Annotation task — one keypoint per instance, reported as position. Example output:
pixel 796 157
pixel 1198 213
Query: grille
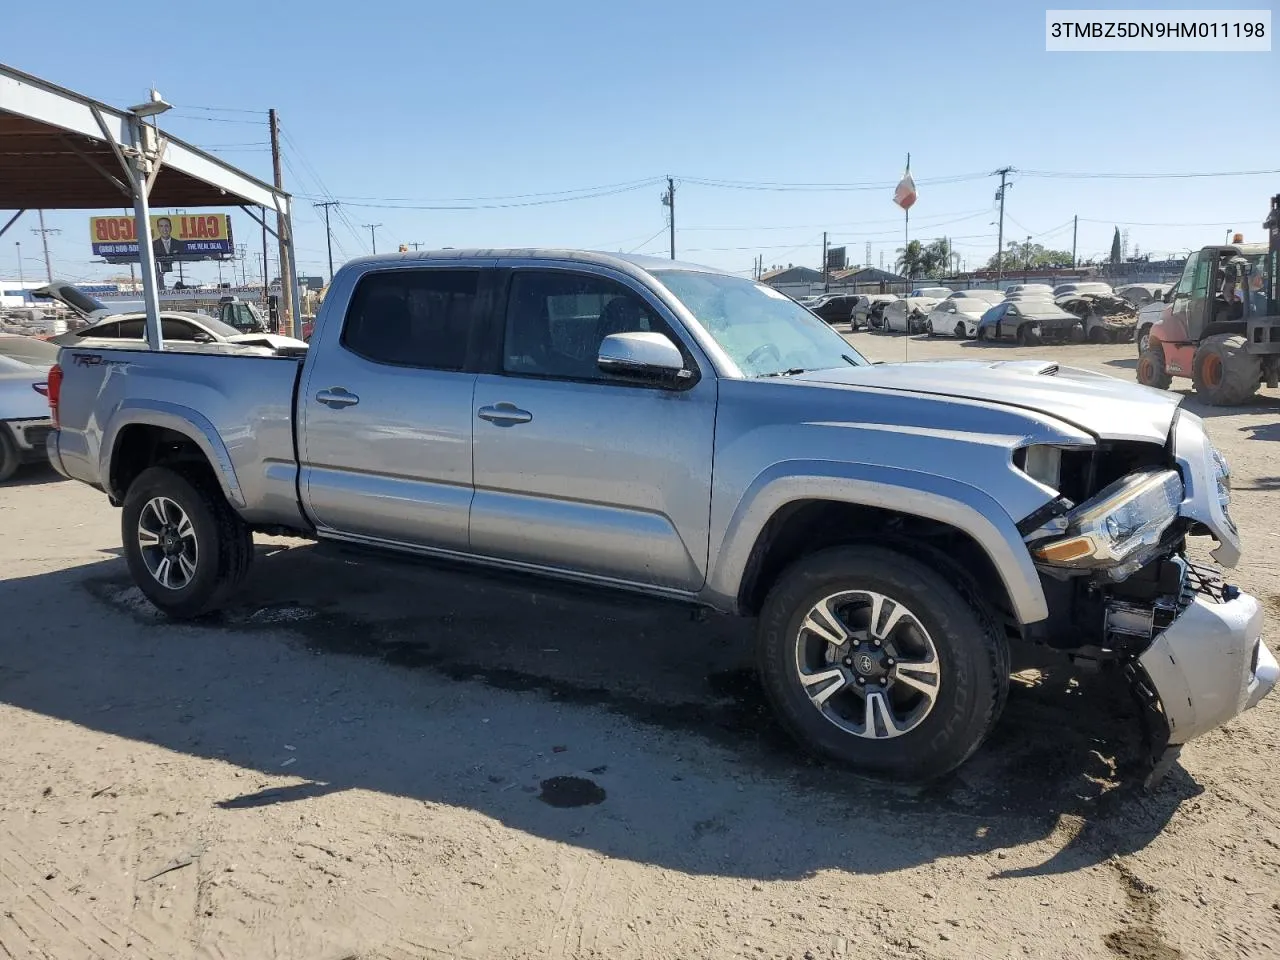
pixel 1203 581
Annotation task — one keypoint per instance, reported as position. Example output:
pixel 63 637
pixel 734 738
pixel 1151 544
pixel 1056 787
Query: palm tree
pixel 911 259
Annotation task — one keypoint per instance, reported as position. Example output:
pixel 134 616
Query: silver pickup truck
pixel 668 429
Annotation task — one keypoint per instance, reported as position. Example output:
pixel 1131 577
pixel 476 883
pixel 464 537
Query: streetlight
pixel 143 164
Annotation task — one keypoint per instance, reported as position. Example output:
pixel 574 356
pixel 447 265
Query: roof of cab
pixel 626 262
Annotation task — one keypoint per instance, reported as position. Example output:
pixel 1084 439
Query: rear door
pixel 577 470
pixel 385 410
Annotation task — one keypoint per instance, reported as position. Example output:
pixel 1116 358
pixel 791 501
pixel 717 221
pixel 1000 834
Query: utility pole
pixel 328 233
pixel 262 258
pixel 414 245
pixel 288 315
pixel 1075 223
pixel 1004 173
pixel 44 238
pixel 826 277
pixel 669 201
pixel 22 281
pixel 373 236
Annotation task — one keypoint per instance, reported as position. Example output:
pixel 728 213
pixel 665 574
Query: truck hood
pixel 1109 408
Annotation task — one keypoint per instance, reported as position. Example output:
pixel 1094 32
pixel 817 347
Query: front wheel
pixel 874 659
pixel 1151 368
pixel 187 550
pixel 959 331
pixel 1143 339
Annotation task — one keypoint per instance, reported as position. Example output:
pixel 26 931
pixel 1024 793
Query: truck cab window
pixel 412 318
pixel 555 322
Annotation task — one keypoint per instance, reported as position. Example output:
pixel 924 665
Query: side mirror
pixel 644 356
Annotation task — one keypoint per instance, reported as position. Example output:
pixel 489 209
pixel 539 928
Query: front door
pixel 580 471
pixel 385 411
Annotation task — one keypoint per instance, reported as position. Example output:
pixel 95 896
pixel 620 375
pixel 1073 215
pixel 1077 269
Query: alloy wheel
pixel 167 542
pixel 867 664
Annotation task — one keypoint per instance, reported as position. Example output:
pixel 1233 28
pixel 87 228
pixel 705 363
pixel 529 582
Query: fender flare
pixel 171 416
pixel 960 505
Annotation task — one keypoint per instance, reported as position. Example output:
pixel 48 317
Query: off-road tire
pixel 9 459
pixel 225 543
pixel 1225 374
pixel 1151 369
pixel 1028 337
pixel 971 647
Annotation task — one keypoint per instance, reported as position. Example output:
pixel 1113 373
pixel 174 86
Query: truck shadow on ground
pixel 477 692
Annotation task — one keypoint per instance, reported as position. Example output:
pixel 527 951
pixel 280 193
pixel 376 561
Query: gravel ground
pixel 375 760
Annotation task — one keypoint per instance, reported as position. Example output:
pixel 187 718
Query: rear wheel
pixel 186 548
pixel 9 459
pixel 1101 335
pixel 874 659
pixel 1225 374
pixel 1028 335
pixel 1151 369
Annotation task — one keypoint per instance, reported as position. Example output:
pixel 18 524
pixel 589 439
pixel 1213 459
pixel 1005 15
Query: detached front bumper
pixel 1210 664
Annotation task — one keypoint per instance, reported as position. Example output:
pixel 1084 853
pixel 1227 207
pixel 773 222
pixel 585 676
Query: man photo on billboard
pixel 164 246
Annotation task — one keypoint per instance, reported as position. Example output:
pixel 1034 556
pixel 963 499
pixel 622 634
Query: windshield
pixel 763 331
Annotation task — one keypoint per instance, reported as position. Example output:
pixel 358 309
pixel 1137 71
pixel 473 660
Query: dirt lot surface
pixel 373 760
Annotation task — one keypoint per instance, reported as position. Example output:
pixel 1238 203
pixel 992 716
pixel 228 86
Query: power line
pixel 825 187
pixel 192 106
pixel 1053 174
pixel 661 230
pixel 647 181
pixel 448 205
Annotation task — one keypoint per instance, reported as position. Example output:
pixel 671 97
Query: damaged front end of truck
pixel 1111 549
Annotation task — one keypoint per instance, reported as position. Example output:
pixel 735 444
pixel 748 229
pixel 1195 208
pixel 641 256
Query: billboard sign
pixel 180 236
pixel 837 258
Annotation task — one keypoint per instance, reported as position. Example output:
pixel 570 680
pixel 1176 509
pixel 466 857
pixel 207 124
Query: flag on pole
pixel 905 194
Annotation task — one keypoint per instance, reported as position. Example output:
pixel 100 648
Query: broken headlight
pixel 1120 529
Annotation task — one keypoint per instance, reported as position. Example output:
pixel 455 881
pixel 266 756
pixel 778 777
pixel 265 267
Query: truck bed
pixel 240 403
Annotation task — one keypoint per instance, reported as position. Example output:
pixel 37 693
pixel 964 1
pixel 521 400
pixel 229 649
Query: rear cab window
pixel 413 318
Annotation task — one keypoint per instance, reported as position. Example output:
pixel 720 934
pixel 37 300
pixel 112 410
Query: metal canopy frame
pixel 60 150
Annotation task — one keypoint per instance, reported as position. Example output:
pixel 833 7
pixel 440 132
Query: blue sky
pixel 432 101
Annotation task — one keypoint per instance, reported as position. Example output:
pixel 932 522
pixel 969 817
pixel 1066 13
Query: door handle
pixel 337 397
pixel 504 414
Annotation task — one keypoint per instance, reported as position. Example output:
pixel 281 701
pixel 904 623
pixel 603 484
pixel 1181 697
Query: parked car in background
pixel 176 327
pixel 865 304
pixel 987 296
pixel 1140 294
pixel 25 423
pixel 1106 317
pixel 907 314
pixel 1030 323
pixel 835 307
pixel 875 312
pixel 1082 286
pixel 935 293
pixel 956 317
pixel 1042 290
pixel 34 351
pixel 1147 317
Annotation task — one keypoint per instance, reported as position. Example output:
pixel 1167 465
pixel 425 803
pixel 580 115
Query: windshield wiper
pixel 849 360
pixel 783 373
